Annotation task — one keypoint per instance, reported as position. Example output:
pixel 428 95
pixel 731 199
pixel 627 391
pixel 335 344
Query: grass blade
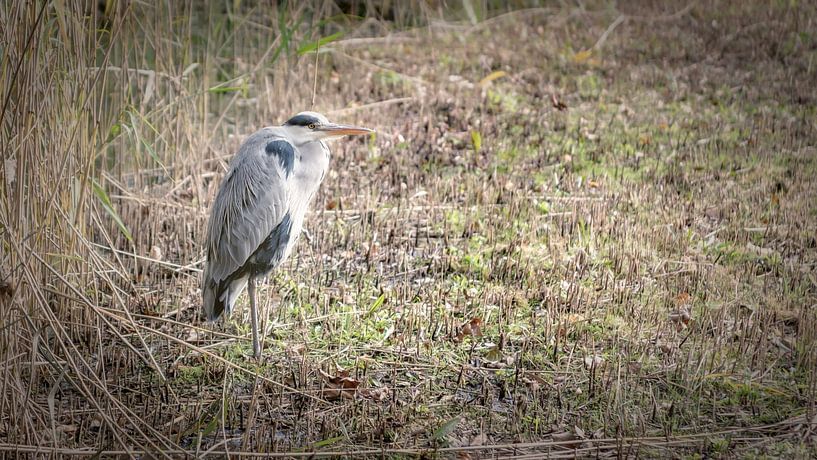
pixel 375 305
pixel 312 46
pixel 446 428
pixel 327 442
pixel 99 191
pixel 476 140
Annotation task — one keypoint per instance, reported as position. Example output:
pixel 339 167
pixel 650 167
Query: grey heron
pixel 259 209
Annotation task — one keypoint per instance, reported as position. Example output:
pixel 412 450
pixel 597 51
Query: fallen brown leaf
pixel 557 104
pixel 564 436
pixel 340 385
pixel 680 317
pixel 479 440
pixel 375 394
pixel 579 432
pixel 594 361
pixel 471 328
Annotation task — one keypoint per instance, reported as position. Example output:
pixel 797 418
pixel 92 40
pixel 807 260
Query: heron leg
pixel 256 344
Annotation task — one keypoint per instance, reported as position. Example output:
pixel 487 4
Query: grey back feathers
pixel 258 211
pixel 251 201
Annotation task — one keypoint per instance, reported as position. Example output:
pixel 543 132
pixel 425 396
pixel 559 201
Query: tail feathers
pixel 221 297
pixel 213 307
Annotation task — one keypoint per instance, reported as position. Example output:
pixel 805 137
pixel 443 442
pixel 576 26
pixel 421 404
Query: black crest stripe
pixel 302 120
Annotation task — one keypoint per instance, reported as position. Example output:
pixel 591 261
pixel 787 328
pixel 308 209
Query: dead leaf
pixel 341 372
pixel 471 328
pixel 594 361
pixel 465 330
pixel 582 56
pixel 156 253
pixel 332 394
pixel 574 318
pixel 534 381
pixel 563 437
pixel 342 380
pixel 476 327
pixel 557 103
pixel 10 165
pixel 67 429
pixel 491 77
pixel 6 289
pixel 375 394
pixel 339 386
pixel 763 252
pixel 480 440
pixel 680 317
pixel 459 81
pixel 193 336
pixel 495 364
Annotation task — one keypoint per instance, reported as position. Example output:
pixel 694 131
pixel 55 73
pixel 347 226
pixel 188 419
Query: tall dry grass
pixel 53 124
pixel 100 99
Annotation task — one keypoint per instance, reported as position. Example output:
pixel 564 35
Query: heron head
pixel 312 126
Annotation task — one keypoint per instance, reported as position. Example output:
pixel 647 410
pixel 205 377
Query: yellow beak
pixel 344 130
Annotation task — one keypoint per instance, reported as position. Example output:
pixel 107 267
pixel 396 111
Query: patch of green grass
pixel 504 100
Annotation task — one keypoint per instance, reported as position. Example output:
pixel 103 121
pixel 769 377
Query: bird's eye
pixel 311 126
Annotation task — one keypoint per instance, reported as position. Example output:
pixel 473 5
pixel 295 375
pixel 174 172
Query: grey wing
pixel 251 202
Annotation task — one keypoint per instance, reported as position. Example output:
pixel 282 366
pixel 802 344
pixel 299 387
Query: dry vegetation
pixel 579 230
